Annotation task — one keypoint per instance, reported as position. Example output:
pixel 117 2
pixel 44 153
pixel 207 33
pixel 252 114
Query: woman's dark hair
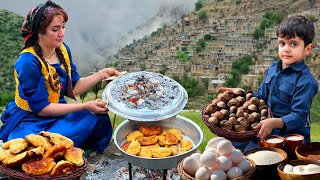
pixel 42 30
pixel 299 26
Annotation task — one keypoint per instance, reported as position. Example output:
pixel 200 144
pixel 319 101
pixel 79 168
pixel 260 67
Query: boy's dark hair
pixel 299 26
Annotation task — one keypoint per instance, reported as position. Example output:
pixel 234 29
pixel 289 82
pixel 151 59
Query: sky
pixel 94 25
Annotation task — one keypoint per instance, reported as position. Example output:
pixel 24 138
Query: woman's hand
pixel 97 107
pixel 223 89
pixel 266 126
pixel 108 72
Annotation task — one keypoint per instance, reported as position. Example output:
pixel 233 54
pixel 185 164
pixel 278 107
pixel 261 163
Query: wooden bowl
pixel 308 151
pixel 288 176
pixel 269 171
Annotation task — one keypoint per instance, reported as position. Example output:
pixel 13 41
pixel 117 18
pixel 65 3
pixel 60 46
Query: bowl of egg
pixel 299 170
pixel 220 160
pixel 267 159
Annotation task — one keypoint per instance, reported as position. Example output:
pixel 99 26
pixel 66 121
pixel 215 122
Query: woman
pixel 44 74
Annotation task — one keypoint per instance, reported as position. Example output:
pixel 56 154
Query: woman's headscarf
pixel 35 19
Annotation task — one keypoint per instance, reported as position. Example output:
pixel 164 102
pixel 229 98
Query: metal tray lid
pixel 145 96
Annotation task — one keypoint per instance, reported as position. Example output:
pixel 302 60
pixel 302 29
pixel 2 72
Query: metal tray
pixel 189 129
pixel 173 100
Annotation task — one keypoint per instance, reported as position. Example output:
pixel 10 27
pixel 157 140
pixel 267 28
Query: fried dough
pixel 162 140
pixel 4 153
pixel 15 160
pixel 171 139
pixel 145 152
pixel 134 148
pixel 145 141
pixel 55 152
pixel 175 149
pixel 63 167
pixel 161 152
pixel 37 140
pixel 15 145
pixel 74 155
pixel 175 132
pixel 151 130
pixel 134 135
pixel 57 139
pixel 39 167
pixel 125 145
pixel 185 145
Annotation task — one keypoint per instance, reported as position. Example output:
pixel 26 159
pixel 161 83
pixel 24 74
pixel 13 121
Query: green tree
pixel 258 33
pixel 207 37
pixel 181 56
pixel 203 16
pixel 96 89
pixel 198 5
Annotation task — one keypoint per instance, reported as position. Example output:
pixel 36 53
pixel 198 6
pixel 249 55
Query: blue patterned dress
pixel 83 127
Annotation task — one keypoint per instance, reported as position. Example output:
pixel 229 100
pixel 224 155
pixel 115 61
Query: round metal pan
pixel 177 101
pixel 189 129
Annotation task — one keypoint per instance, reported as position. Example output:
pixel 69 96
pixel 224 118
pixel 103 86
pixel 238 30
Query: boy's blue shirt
pixel 289 94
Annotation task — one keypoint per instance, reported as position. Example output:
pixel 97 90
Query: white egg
pixel 208 159
pixel 244 165
pixel 218 175
pixel 312 168
pixel 196 156
pixel 224 147
pixel 191 165
pixel 234 172
pixel 236 156
pixel 203 173
pixel 210 149
pixel 213 143
pixel 224 163
pixel 288 168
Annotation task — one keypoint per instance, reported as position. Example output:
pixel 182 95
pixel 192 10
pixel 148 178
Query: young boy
pixel 288 87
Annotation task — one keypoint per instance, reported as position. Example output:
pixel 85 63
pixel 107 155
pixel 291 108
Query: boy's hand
pixel 266 126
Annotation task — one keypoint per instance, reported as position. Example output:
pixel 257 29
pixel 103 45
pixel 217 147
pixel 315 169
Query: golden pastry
pixel 162 140
pixel 171 139
pixel 161 152
pixel 55 152
pixel 37 140
pixel 15 145
pixel 185 145
pixel 134 135
pixel 39 167
pixel 63 167
pixel 57 139
pixel 134 148
pixel 151 130
pixel 175 132
pixel 145 152
pixel 145 141
pixel 74 155
pixel 175 149
pixel 4 153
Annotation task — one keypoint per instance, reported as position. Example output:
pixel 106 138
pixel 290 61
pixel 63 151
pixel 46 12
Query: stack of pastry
pixel 155 142
pixel 44 153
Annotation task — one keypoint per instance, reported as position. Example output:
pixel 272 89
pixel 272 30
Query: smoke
pixel 98 28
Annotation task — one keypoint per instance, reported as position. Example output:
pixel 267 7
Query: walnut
pixel 255 100
pixel 226 124
pixel 249 96
pixel 251 118
pixel 215 101
pixel 240 113
pixel 239 128
pixel 221 105
pixel 256 116
pixel 218 115
pixel 246 104
pixel 241 99
pixel 243 121
pixel 232 115
pixel 211 109
pixel 223 97
pixel 264 112
pixel 225 113
pixel 213 120
pixel 233 121
pixel 263 118
pixel 233 109
pixel 239 92
pixel 262 102
pixel 252 108
pixel 234 102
